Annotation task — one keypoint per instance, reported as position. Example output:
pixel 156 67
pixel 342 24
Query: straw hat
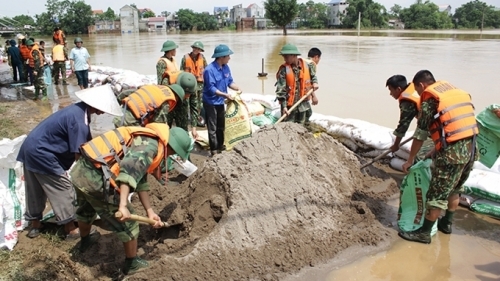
pixel 101 98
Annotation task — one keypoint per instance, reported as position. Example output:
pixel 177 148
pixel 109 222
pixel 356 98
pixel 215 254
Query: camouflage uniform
pixel 408 110
pixel 199 88
pixel 39 81
pixel 60 67
pixel 160 69
pixel 128 119
pixel 452 165
pixel 299 115
pixel 90 188
pixel 312 67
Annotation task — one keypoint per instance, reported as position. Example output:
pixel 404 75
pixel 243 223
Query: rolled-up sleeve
pixel 427 112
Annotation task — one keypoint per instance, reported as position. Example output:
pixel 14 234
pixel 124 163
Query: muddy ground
pixel 281 201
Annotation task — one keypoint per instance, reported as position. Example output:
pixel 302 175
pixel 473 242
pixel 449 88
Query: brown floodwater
pixel 352 75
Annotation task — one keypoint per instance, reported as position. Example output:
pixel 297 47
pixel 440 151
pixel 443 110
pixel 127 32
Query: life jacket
pixel 171 64
pixel 409 94
pixel 58 53
pixel 144 102
pixel 57 37
pixel 32 60
pixel 25 52
pixel 172 77
pixel 194 67
pixel 455 118
pixel 107 150
pixel 304 81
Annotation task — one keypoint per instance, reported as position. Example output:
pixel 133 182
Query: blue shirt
pixel 216 78
pixel 15 55
pixel 50 148
pixel 79 57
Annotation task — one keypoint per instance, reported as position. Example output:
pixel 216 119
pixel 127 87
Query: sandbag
pixel 412 201
pixel 466 200
pixel 483 184
pixel 263 120
pixel 397 163
pixel 254 108
pixel 238 123
pixel 486 207
pixel 268 101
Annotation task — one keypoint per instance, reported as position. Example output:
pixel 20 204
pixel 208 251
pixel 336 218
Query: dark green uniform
pixel 407 111
pixel 128 119
pixel 60 68
pixel 39 82
pixel 89 185
pixel 199 87
pixel 452 165
pixel 300 113
pixel 160 69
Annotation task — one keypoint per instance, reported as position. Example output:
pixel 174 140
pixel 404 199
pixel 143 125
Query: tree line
pixel 74 16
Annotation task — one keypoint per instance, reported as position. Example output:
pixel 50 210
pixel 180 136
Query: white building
pixel 237 13
pixel 336 9
pixel 255 11
pixel 129 18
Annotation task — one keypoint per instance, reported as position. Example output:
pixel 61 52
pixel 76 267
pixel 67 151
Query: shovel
pixel 142 219
pixel 295 105
pixel 384 154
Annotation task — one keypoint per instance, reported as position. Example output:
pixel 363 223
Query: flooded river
pixel 352 75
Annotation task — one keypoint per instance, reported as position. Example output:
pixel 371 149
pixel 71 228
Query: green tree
pixel 313 15
pixel 188 20
pixel 395 11
pixel 281 12
pixel 425 16
pixel 22 20
pixel 109 14
pixel 148 14
pixel 72 16
pixel 477 14
pixel 373 14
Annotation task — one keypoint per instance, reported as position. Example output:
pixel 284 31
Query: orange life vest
pixel 25 52
pixel 57 37
pixel 194 67
pixel 409 94
pixel 32 60
pixel 107 150
pixel 171 64
pixel 144 102
pixel 455 118
pixel 58 53
pixel 305 83
pixel 172 77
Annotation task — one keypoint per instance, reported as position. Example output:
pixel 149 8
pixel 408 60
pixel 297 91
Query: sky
pixel 37 7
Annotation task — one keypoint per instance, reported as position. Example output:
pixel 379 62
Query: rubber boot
pixel 44 94
pixel 444 226
pixel 37 93
pixel 133 265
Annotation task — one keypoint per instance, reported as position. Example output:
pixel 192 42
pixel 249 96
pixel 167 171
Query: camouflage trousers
pixel 179 115
pixel 39 83
pixel 297 117
pixel 446 180
pixel 59 68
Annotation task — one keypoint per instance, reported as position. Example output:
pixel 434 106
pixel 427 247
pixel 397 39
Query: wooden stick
pixel 384 154
pixel 295 105
pixel 141 219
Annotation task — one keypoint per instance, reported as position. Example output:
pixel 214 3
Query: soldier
pixel 195 63
pixel 448 115
pixel 103 184
pixel 409 104
pixel 148 104
pixel 167 62
pixel 59 56
pixel 36 62
pixel 313 58
pixel 58 36
pixel 294 79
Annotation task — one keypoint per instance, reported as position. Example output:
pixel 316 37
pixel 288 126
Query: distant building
pixel 95 13
pixel 396 24
pixel 222 15
pixel 142 11
pixel 129 17
pixel 336 11
pixel 255 11
pixel 445 8
pixel 103 26
pixel 250 17
pixel 157 23
pixel 237 13
pixel 172 21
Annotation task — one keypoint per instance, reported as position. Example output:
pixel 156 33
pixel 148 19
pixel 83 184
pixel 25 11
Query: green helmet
pixel 221 51
pixel 187 81
pixel 30 43
pixel 179 91
pixel 168 46
pixel 289 49
pixel 198 45
pixel 180 142
pixel 78 40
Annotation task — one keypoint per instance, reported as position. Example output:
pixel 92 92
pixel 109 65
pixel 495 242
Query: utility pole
pixel 359 22
pixel 482 20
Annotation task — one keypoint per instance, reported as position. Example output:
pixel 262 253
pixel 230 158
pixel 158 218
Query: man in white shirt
pixel 80 63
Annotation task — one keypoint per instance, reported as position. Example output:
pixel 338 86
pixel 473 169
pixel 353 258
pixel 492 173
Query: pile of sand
pixel 280 201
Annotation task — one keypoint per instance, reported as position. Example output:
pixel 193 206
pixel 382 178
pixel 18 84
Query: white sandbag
pixel 268 101
pixel 494 169
pixel 373 153
pixel 466 200
pixel 483 184
pixel 486 207
pixel 12 193
pixel 402 154
pixel 254 108
pixel 397 163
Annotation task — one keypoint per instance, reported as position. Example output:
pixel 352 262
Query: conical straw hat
pixel 101 98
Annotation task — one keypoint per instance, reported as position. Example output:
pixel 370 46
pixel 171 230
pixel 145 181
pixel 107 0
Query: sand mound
pixel 280 201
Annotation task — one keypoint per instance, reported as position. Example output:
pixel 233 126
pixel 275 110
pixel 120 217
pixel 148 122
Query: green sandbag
pixel 264 119
pixel 412 200
pixel 488 140
pixel 486 207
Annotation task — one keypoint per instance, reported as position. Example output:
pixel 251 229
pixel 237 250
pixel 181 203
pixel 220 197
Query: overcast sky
pixel 37 7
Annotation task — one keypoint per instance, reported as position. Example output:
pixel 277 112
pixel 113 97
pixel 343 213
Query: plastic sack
pixel 412 201
pixel 486 207
pixel 238 123
pixel 483 184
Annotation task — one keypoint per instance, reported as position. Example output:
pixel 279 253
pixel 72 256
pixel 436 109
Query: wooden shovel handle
pixel 295 105
pixel 140 219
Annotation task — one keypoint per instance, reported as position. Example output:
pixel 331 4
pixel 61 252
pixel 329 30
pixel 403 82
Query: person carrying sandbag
pixel 296 81
pixel 448 115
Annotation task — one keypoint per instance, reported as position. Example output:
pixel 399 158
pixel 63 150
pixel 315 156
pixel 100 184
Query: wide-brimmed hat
pixel 180 142
pixel 102 98
pixel 221 51
pixel 168 46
